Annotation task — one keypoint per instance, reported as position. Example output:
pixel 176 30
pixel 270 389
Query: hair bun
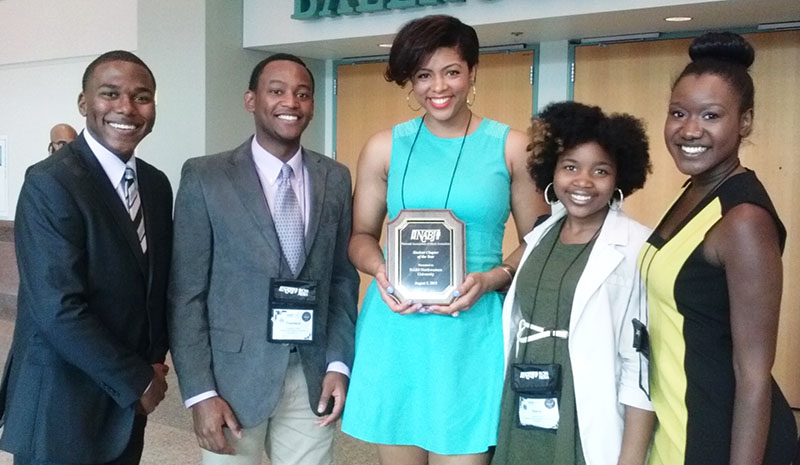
pixel 722 46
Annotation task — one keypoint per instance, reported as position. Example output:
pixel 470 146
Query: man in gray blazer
pixel 262 296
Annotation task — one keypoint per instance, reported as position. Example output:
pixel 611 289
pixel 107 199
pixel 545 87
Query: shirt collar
pixel 113 166
pixel 271 165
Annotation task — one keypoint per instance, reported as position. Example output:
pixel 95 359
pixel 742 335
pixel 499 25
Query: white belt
pixel 539 333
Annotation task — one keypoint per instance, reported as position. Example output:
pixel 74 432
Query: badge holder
pixel 641 342
pixel 538 388
pixel 292 304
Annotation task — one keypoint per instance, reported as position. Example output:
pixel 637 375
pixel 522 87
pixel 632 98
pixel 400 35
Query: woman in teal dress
pixel 427 379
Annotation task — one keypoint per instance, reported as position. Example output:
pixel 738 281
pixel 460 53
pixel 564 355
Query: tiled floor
pixel 169 438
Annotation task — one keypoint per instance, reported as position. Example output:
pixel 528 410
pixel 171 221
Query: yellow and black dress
pixel 692 379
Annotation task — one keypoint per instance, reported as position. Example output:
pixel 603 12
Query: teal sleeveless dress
pixel 427 380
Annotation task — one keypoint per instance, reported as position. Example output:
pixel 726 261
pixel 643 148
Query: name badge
pixel 291 311
pixel 538 387
pixel 538 413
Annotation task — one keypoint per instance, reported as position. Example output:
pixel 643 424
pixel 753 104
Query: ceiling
pixel 724 14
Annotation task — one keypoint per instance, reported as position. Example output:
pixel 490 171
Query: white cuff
pixel 339 367
pixel 199 398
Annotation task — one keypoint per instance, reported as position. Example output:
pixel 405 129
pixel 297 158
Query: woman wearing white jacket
pixel 575 390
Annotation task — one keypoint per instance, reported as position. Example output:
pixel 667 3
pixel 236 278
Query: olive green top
pixel 545 290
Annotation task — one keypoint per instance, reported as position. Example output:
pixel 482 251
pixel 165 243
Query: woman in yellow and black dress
pixel 713 274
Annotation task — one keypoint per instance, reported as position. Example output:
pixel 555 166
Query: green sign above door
pixel 313 9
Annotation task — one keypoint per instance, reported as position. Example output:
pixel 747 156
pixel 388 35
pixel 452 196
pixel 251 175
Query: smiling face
pixel 705 126
pixel 584 180
pixel 119 105
pixel 442 83
pixel 282 105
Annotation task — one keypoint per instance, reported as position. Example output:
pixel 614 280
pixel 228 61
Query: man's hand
pixel 156 391
pixel 333 384
pixel 209 417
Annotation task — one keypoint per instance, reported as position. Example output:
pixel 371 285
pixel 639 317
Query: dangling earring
pixel 474 94
pixel 612 203
pixel 408 101
pixel 546 198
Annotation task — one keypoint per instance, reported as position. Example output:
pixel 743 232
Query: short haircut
pixel 256 74
pixel 114 55
pixel 727 55
pixel 420 38
pixel 562 126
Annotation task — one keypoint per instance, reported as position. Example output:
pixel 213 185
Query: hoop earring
pixel 547 198
pixel 474 94
pixel 408 101
pixel 612 203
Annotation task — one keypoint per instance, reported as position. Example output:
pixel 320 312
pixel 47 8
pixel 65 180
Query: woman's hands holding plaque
pixel 470 291
pixel 387 293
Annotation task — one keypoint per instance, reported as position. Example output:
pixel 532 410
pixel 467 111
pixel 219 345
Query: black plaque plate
pixel 425 259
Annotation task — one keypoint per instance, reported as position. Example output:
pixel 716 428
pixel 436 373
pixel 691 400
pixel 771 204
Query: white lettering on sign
pixel 425 235
pixel 298 291
pixel 535 375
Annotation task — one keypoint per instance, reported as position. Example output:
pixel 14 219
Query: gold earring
pixel 408 101
pixel 474 94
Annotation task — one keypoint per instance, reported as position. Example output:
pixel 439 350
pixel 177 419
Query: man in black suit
pixel 93 234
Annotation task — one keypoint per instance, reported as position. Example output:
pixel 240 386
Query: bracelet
pixel 510 271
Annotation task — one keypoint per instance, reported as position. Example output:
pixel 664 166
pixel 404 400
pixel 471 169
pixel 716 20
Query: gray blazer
pixel 226 250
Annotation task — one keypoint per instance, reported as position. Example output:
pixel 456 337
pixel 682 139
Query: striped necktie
pixel 134 205
pixel 288 219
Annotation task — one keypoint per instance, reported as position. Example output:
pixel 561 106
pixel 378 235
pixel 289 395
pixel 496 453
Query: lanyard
pixel 452 176
pixel 541 332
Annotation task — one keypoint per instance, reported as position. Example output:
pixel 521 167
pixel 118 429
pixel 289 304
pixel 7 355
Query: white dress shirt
pixel 113 166
pixel 268 167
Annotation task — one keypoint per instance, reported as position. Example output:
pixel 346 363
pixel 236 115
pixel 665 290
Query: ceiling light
pixel 778 26
pixel 385 45
pixel 678 19
pixel 621 38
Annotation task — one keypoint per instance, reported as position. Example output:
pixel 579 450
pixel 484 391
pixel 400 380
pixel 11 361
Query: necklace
pixel 659 231
pixel 455 167
pixel 723 179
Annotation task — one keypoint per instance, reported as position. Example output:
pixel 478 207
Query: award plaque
pixel 425 259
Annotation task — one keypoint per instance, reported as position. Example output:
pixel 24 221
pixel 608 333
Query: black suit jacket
pixel 90 313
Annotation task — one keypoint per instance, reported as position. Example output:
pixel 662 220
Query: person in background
pixel 426 386
pixel 93 235
pixel 713 273
pixel 568 316
pixel 60 135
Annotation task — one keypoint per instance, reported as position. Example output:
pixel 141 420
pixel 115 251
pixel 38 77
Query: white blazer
pixel 605 366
